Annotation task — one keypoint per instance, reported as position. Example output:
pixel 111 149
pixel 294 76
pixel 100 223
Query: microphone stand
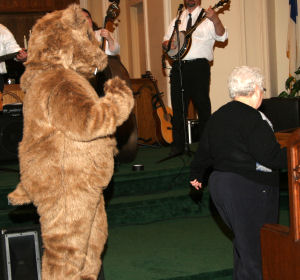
pixel 186 144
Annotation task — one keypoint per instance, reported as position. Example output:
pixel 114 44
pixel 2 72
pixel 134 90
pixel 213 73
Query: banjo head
pixel 173 52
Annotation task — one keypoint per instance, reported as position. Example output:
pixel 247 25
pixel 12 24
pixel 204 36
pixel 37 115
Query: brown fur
pixel 66 154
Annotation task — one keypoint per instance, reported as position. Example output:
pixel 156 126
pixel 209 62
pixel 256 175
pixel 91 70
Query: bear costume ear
pixel 72 16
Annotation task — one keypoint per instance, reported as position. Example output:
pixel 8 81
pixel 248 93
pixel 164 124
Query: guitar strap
pixel 200 18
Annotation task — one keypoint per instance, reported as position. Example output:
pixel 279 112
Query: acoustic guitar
pixel 162 114
pixel 185 37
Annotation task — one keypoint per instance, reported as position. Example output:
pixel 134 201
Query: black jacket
pixel 237 139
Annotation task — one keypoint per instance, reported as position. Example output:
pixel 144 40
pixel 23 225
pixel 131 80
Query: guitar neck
pixel 158 96
pixel 149 76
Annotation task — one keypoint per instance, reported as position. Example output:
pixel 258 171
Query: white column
pixel 83 4
pixel 147 44
pixel 167 21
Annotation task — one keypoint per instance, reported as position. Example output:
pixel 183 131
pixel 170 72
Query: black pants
pixel 195 81
pixel 1 83
pixel 245 206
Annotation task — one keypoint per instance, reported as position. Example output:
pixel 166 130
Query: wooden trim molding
pixel 147 39
pixel 25 6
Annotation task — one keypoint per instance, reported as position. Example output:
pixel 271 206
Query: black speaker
pixel 21 254
pixel 284 113
pixel 11 132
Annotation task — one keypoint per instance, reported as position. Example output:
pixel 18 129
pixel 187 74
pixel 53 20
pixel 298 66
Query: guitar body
pixel 164 125
pixel 162 115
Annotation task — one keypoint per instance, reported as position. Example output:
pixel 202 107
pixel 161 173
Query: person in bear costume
pixel 68 146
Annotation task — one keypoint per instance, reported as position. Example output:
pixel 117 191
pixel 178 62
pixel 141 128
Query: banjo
pixel 185 37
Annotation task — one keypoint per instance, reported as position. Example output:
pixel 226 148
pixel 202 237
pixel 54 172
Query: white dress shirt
pixel 116 51
pixel 8 45
pixel 203 38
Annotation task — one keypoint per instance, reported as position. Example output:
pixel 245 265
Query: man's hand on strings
pixel 172 46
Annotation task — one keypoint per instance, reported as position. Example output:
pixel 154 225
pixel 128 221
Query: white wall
pixel 229 56
pixel 281 27
pixel 250 24
pixel 257 37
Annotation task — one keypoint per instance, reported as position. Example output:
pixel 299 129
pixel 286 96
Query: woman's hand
pixel 197 185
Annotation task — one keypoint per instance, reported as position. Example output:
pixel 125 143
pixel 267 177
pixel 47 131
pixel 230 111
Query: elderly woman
pixel 239 143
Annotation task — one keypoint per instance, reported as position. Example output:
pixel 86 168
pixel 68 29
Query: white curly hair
pixel 243 79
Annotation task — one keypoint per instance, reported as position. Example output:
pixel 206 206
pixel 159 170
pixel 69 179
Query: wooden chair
pixel 12 94
pixel 280 245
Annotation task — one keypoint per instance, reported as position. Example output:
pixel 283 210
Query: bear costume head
pixel 67 152
pixel 54 42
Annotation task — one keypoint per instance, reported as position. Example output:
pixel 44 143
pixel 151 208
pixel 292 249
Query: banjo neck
pixel 202 16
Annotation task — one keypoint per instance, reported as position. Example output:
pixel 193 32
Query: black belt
pixel 1 83
pixel 192 60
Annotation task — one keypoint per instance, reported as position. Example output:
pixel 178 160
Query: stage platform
pixel 158 184
pixel 160 191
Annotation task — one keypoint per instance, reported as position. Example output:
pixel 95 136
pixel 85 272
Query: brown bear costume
pixel 68 146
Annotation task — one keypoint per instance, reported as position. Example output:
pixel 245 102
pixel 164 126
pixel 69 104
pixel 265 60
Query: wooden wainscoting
pixel 147 123
pixel 12 94
pixel 20 16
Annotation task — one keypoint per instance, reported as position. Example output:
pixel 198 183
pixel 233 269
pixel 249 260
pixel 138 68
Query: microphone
pixel 180 7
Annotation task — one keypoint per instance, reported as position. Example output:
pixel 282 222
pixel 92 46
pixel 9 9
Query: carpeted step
pixel 144 209
pixel 225 274
pixel 133 210
pixel 129 210
pixel 148 182
pixel 156 177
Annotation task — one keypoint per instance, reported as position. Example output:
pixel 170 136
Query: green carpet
pixel 176 249
pixel 166 250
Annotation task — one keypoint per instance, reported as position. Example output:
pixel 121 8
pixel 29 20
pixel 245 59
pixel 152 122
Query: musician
pixel 195 68
pixel 8 45
pixel 238 141
pixel 112 46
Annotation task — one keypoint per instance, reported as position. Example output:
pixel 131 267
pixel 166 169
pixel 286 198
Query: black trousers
pixel 1 83
pixel 195 81
pixel 245 206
